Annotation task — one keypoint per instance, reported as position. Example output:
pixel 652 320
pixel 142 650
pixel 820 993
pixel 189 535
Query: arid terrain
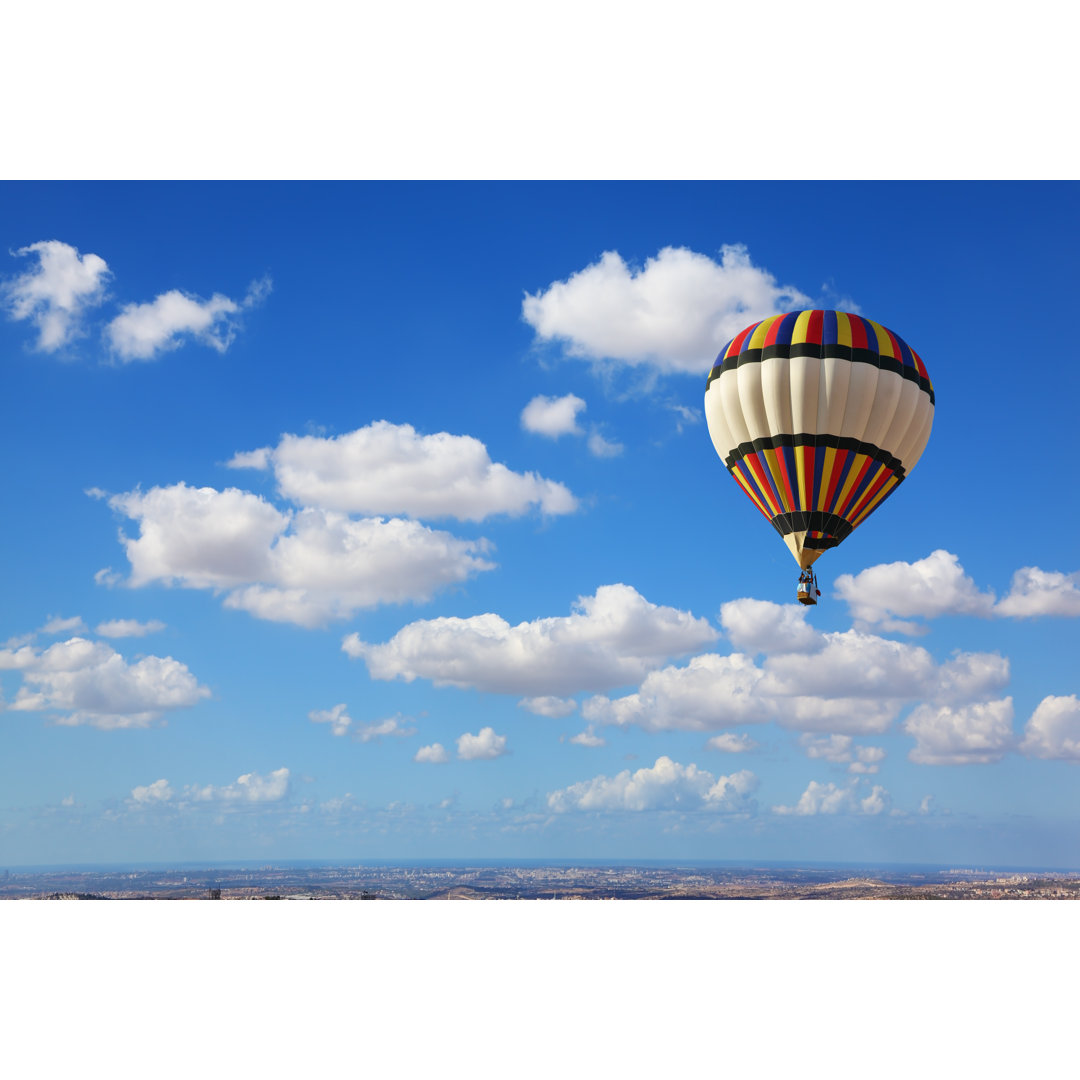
pixel 537 882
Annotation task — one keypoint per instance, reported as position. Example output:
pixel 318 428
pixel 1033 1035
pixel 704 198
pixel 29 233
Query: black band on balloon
pixel 833 526
pixel 819 352
pixel 774 442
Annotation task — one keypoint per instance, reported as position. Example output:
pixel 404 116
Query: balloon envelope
pixel 819 416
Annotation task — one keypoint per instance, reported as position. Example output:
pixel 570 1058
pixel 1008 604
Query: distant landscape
pixel 536 881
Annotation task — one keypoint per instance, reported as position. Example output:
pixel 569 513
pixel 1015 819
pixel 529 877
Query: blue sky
pixel 381 520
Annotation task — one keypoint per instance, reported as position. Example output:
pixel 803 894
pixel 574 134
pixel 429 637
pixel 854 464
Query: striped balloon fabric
pixel 819 415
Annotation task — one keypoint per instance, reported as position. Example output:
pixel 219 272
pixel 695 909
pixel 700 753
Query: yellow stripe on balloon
pixel 843 329
pixel 798 332
pixel 826 478
pixel 736 472
pixel 885 489
pixel 884 342
pixel 778 479
pixel 853 475
pixel 758 336
pixel 800 470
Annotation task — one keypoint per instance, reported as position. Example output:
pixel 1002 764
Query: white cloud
pixel 338 719
pixel 199 537
pixel 877 802
pixel 59 625
pixel 55 295
pixel 937 585
pixel 931 587
pixel 867 759
pixel 1041 592
pixel 674 314
pixel 391 726
pixel 249 788
pixel 829 799
pixel 601 447
pixel 250 459
pixel 93 684
pixel 548 705
pixel 974 734
pixel 730 743
pixel 834 748
pixel 612 638
pixel 841 749
pixel 858 682
pixel 389 468
pixel 553 416
pixel 121 628
pixel 143 331
pixel 762 626
pixel 589 738
pixel 435 754
pixel 852 683
pixel 157 792
pixel 307 568
pixel 667 785
pixel 686 415
pixel 1054 729
pixel 482 746
pixel 710 692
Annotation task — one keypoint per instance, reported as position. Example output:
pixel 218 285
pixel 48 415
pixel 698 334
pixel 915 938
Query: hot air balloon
pixel 819 416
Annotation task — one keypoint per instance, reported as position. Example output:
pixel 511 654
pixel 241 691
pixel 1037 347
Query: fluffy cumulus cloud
pixel 973 734
pixel 1037 592
pixel 761 626
pixel 58 293
pixel 931 587
pixel 483 746
pixel 830 799
pixel 88 682
pixel 390 469
pixel 858 682
pixel 55 294
pixel 553 416
pixel 144 331
pixel 849 683
pixel 435 754
pixel 666 785
pixel 611 638
pixel 673 314
pixel 1054 729
pixel 306 567
pixel 710 692
pixel 889 594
